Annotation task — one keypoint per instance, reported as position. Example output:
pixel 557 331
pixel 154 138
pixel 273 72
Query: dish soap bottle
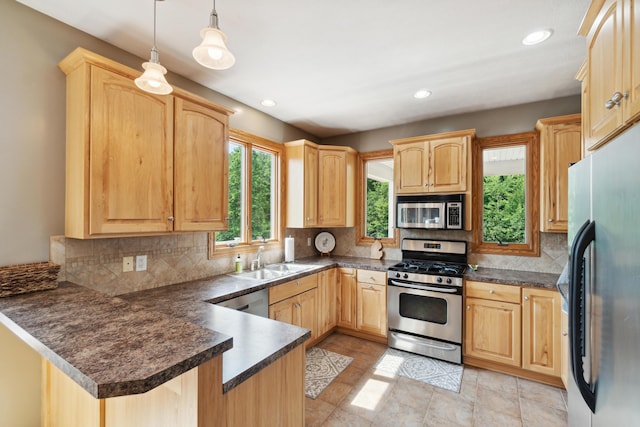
pixel 238 264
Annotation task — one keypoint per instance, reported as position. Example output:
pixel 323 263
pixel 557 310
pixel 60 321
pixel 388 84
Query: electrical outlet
pixel 141 263
pixel 308 241
pixel 127 264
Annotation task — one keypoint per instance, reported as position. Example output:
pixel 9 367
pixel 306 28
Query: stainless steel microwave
pixel 437 211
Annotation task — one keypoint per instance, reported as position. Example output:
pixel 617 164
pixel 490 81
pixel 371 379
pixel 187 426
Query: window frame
pixel 250 142
pixel 532 195
pixel 361 194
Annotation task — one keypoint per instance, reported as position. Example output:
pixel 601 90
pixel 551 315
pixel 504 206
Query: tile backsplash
pixel 179 258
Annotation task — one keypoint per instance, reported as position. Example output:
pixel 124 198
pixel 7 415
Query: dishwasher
pixel 254 303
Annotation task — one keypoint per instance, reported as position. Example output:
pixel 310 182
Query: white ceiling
pixel 337 66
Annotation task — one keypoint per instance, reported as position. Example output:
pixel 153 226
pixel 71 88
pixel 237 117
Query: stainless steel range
pixel 425 298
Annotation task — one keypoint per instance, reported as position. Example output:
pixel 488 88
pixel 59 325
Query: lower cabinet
pixel 513 329
pixel 371 302
pixel 564 348
pixel 347 297
pixel 296 303
pixel 327 300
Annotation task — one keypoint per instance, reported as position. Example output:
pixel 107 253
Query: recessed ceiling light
pixel 268 103
pixel 422 93
pixel 537 37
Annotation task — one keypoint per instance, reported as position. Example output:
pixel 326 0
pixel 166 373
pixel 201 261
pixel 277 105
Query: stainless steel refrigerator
pixel 604 285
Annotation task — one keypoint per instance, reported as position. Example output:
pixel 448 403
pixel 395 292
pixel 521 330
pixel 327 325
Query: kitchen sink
pixel 288 268
pixel 272 271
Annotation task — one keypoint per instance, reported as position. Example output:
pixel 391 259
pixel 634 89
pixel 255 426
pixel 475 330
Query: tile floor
pixel 360 396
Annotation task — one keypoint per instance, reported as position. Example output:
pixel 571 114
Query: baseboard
pixel 360 334
pixel 512 370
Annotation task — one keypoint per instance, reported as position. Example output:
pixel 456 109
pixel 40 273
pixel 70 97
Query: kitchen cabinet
pixel 320 185
pixel 560 145
pixel 564 348
pixel 433 163
pixel 347 298
pixel 327 300
pixel 612 69
pixel 371 302
pixel 513 329
pixel 296 303
pixel 493 323
pixel 541 331
pixel 138 163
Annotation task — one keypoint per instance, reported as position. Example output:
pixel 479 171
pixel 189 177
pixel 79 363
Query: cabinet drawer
pixel 294 287
pixel 373 277
pixel 492 291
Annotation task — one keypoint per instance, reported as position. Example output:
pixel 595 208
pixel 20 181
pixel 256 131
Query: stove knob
pixel 405 275
pixel 397 274
pixel 449 281
pixel 439 279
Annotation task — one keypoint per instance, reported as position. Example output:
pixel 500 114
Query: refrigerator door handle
pixel 577 299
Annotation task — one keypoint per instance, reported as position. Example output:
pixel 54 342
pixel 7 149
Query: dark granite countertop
pixel 105 344
pixel 513 277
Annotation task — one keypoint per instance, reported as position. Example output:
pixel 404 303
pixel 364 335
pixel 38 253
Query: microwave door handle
pixel 577 312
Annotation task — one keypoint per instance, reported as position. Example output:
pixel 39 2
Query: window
pixel 505 190
pixel 254 194
pixel 376 218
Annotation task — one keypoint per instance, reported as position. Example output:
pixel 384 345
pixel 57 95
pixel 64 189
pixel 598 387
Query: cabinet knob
pixel 227 219
pixel 526 298
pixel 550 220
pixel 468 307
pixel 171 218
pixel 296 305
pixel 491 291
pixel 615 100
pixel 371 288
pixel 308 219
pixel 297 283
pixel 565 333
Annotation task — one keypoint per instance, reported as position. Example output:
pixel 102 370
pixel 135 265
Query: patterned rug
pixel 431 371
pixel 323 366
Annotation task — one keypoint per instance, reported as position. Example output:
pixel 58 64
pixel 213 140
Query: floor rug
pixel 322 367
pixel 431 371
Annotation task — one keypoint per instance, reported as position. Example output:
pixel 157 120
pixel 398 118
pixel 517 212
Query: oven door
pixel 427 310
pixel 420 215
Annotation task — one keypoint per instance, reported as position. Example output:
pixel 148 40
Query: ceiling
pixel 337 67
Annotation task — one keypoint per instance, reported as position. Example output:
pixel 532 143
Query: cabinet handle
pixel 171 218
pixel 526 298
pixel 468 307
pixel 308 219
pixel 371 288
pixel 615 100
pixel 565 333
pixel 297 283
pixel 227 219
pixel 296 305
pixel 550 220
pixel 491 291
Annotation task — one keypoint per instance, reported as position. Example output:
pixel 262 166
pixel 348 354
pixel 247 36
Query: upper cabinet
pixel 433 163
pixel 560 145
pixel 611 80
pixel 320 185
pixel 138 163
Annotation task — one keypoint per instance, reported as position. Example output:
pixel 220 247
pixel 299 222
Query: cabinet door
pixel 448 165
pixel 347 297
pixel 310 186
pixel 561 145
pixel 332 197
pixel 305 312
pixel 371 308
pixel 411 165
pixel 541 331
pixel 327 300
pixel 564 348
pixel 201 168
pixel 632 66
pixel 604 74
pixel 130 157
pixel 283 311
pixel 493 331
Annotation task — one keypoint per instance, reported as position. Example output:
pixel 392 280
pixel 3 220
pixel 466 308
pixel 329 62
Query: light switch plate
pixel 127 264
pixel 141 263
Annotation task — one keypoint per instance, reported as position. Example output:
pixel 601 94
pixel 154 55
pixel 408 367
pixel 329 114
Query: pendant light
pixel 213 52
pixel 152 80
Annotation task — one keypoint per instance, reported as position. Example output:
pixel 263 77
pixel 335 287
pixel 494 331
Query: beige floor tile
pixel 335 392
pixel 396 413
pixel 367 397
pixel 340 418
pixel 351 375
pixel 498 382
pixel 412 393
pixel 541 393
pixel 316 412
pixel 536 414
pixel 494 401
pixel 489 418
pixel 449 408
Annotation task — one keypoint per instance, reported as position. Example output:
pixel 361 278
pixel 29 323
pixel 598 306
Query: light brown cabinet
pixel 347 297
pixel 560 145
pixel 371 302
pixel 320 185
pixel 541 331
pixel 564 348
pixel 612 75
pixel 327 300
pixel 513 329
pixel 433 163
pixel 296 303
pixel 137 163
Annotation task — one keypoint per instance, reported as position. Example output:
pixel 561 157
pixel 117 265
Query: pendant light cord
pixel 155 56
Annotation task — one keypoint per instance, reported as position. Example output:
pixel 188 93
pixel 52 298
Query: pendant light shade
pixel 213 52
pixel 153 80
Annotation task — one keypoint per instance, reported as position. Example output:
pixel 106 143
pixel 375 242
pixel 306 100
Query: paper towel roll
pixel 289 249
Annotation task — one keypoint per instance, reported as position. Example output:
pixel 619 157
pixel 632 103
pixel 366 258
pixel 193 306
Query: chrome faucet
pixel 255 264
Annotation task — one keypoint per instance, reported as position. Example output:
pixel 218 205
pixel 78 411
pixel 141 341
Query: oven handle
pixel 424 288
pixel 445 347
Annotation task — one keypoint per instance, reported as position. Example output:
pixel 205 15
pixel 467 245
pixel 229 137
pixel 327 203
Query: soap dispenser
pixel 238 264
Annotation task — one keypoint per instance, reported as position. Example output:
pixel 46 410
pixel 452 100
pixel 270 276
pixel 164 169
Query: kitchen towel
pixel 289 249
